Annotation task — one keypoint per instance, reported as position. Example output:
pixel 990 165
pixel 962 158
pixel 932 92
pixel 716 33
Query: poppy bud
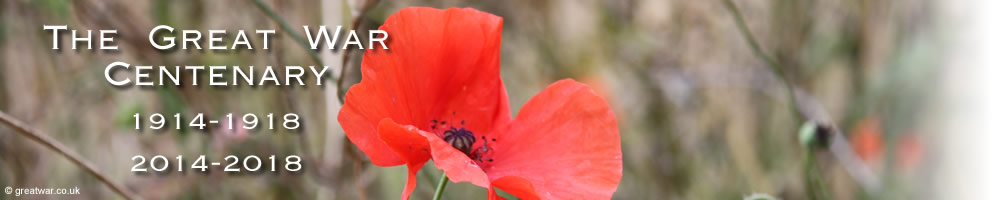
pixel 814 135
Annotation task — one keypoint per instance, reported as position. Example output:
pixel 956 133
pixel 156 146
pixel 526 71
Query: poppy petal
pixel 419 146
pixel 563 144
pixel 359 129
pixel 454 163
pixel 441 65
pixel 515 185
pixel 407 142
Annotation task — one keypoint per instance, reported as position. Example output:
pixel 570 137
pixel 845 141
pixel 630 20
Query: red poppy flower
pixel 867 139
pixel 436 93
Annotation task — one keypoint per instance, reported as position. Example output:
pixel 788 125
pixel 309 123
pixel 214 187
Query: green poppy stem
pixel 814 178
pixel 771 62
pixel 440 188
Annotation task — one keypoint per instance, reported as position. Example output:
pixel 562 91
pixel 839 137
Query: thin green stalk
pixel 814 179
pixel 440 188
pixel 820 184
pixel 771 63
pixel 807 164
pixel 814 182
pixel 288 30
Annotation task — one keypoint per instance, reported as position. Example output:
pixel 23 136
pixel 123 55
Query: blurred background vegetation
pixel 700 115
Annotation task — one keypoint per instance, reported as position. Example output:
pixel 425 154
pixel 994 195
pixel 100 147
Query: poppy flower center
pixel 464 140
pixel 460 138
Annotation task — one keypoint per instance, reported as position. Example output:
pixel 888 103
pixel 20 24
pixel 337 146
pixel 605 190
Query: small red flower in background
pixel 436 93
pixel 867 140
